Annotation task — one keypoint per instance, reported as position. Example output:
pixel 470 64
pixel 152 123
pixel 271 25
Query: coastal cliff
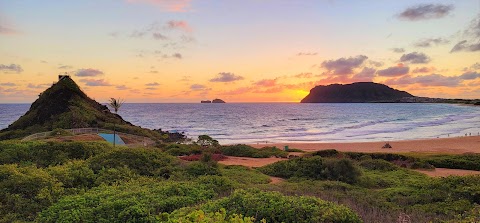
pixel 360 92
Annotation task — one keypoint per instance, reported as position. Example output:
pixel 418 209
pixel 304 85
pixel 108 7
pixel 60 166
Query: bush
pixel 197 168
pixel 248 151
pixel 422 164
pixel 244 176
pixel 384 156
pixel 326 153
pixel 182 150
pixel 466 162
pixel 116 175
pixel 146 162
pixel 198 157
pixel 26 191
pixel 315 168
pixel 74 175
pixel 220 184
pixel 377 164
pixel 44 154
pixel 138 201
pixel 206 217
pixel 275 207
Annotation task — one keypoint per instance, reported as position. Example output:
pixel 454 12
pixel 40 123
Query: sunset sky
pixel 237 50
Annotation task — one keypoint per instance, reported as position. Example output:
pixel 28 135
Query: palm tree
pixel 115 104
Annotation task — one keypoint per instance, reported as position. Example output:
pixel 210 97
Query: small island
pixel 213 101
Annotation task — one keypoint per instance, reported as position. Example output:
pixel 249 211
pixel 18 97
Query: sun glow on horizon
pixel 187 51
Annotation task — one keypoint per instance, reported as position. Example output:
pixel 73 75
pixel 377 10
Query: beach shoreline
pixel 453 145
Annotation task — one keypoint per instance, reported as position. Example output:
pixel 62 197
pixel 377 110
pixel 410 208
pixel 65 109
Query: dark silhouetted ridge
pixel 361 92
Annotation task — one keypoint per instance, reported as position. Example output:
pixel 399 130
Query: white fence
pixel 139 140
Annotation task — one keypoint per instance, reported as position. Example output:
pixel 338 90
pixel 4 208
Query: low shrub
pixel 197 157
pixel 326 153
pixel 175 149
pixel 198 168
pixel 136 201
pixel 377 164
pixel 422 164
pixel 248 151
pixel 244 176
pixel 315 168
pixel 206 217
pixel 24 191
pixel 275 207
pixel 44 154
pixel 146 162
pixel 74 175
pixel 466 161
pixel 384 156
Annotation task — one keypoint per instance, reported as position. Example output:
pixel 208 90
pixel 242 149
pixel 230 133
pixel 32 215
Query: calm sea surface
pixel 294 122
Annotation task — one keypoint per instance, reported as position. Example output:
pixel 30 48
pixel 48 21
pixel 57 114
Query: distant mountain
pixel 64 105
pixel 360 92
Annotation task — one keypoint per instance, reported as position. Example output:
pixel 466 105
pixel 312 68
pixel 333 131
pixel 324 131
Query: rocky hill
pixel 64 105
pixel 360 92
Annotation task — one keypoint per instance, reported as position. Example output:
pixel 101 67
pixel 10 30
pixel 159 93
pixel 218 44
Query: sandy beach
pixel 454 145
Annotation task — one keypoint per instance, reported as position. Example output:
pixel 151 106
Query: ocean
pixel 294 122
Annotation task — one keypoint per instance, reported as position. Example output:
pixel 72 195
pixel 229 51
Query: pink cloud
pixel 167 5
pixel 179 24
pixel 266 83
pixel 7 31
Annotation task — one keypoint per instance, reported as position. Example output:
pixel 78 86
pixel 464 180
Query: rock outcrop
pixel 361 92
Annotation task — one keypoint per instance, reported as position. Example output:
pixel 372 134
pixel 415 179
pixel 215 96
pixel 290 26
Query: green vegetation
pixel 275 207
pixel 315 168
pixel 175 149
pixel 248 151
pixel 95 182
pixel 466 161
pixel 44 154
pixel 138 201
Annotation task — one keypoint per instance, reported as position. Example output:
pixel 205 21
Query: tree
pixel 206 141
pixel 115 104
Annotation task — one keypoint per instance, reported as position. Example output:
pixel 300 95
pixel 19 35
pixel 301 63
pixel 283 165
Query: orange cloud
pixel 167 5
